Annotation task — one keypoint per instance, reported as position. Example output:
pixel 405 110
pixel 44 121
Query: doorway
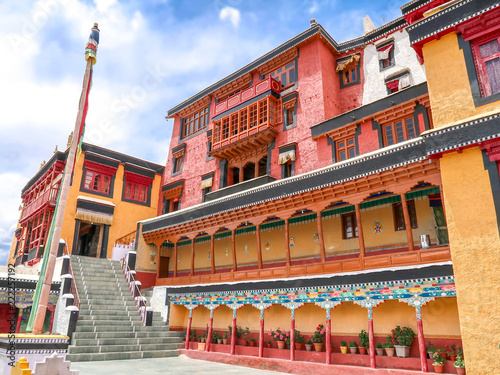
pixel 89 240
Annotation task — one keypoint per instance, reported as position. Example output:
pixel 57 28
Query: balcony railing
pixel 48 197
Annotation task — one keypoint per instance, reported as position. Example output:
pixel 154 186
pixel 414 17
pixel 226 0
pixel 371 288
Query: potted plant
pixel 251 341
pixel 353 346
pixel 402 339
pixel 280 337
pixel 299 340
pixel 224 338
pixel 218 338
pixel 343 347
pixel 389 348
pixel 379 349
pixel 269 343
pixel 439 361
pixel 242 334
pixel 459 362
pixel 364 341
pixel 452 353
pixel 317 337
pixel 192 336
pixel 309 345
pixel 430 348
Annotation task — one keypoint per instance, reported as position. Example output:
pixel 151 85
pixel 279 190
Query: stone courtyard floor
pixel 156 366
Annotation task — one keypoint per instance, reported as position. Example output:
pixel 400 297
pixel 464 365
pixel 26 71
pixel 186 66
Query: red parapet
pixel 265 85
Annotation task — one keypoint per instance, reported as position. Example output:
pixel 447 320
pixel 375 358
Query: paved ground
pixel 156 366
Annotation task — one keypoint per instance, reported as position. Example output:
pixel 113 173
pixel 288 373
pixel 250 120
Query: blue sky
pixel 152 56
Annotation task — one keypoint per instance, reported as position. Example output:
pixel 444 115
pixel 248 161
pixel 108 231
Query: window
pixel 177 165
pixel 194 123
pixel 345 149
pixel 487 58
pixel 349 226
pixel 289 117
pixel 399 131
pixel 285 74
pixel 348 69
pixel 136 192
pixel 399 219
pixel 97 181
pixel 386 55
pixel 287 169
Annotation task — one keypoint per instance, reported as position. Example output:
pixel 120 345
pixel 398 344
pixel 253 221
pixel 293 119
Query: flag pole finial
pixel 92 44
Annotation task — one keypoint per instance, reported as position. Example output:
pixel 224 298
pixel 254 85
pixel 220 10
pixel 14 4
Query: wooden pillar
pixel 233 244
pixel 233 333
pixel 212 253
pixel 256 169
pixel 421 340
pixel 188 331
pixel 175 259
pixel 52 310
pixel 19 318
pixel 320 235
pixel 261 334
pixel 259 247
pixel 328 340
pixel 210 327
pixel 360 232
pixel 406 215
pixel 192 257
pixel 287 242
pixel 371 337
pixel 292 337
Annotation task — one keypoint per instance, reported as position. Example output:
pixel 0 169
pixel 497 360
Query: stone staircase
pixel 109 326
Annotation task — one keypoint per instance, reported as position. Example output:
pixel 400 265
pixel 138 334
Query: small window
pixel 177 165
pixel 349 75
pixel 136 192
pixel 349 226
pixel 487 59
pixel 399 219
pixel 194 123
pixel 205 191
pixel 349 71
pixel 285 74
pixel 346 149
pixel 289 117
pixel 399 131
pixel 385 55
pixel 97 181
pixel 287 169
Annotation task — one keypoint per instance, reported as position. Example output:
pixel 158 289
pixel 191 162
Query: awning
pixel 384 52
pixel 206 183
pixel 404 81
pixel 284 157
pixel 393 85
pixel 353 60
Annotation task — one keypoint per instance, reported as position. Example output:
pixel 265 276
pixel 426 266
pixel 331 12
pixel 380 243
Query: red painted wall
pixel 5 315
pixel 368 139
pixel 147 279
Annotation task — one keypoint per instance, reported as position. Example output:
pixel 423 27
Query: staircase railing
pixel 127 239
pixel 140 300
pixel 74 289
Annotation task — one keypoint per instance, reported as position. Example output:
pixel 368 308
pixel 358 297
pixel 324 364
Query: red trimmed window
pixel 386 56
pixel 487 59
pixel 349 226
pixel 346 149
pixel 195 122
pixel 136 192
pixel 399 131
pixel 97 181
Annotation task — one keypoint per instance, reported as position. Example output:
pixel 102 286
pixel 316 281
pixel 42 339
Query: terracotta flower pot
pixel 243 342
pixel 353 349
pixel 269 344
pixel 362 350
pixel 309 347
pixel 402 351
pixel 201 346
pixel 251 343
pixel 219 341
pixel 460 370
pixel 343 349
pixel 453 357
pixel 430 354
pixel 380 351
pixel 299 345
pixel 389 352
pixel 318 346
pixel 438 369
pixel 281 344
pixel 224 341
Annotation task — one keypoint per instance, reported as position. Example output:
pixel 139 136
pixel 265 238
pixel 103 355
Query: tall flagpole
pixel 41 298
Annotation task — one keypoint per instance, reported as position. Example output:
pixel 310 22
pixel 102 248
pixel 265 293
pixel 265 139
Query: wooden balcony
pixel 49 197
pixel 398 259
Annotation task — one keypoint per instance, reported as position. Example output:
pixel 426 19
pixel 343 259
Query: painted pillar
pixel 175 259
pixel 192 257
pixel 371 337
pixel 287 242
pixel 212 253
pixel 320 235
pixel 421 340
pixel 259 247
pixel 19 318
pixel 52 309
pixel 233 249
pixel 261 334
pixel 188 331
pixel 233 333
pixel 210 326
pixel 328 340
pixel 292 337
pixel 360 232
pixel 406 215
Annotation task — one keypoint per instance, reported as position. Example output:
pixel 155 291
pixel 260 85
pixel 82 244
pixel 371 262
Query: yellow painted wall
pixel 250 258
pixel 475 251
pixel 449 88
pixel 125 217
pixel 440 318
pixel 276 252
pixel 223 252
pixel 201 256
pixel 305 247
pixel 184 258
pixel 332 236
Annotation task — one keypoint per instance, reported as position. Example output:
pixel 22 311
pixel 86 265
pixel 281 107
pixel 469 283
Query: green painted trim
pixel 222 235
pixel 202 239
pixel 381 201
pixel 337 211
pixel 423 192
pixel 301 219
pixel 247 229
pixel 272 225
pixel 184 242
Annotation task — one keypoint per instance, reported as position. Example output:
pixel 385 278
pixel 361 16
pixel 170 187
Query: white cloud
pixel 313 8
pixel 231 14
